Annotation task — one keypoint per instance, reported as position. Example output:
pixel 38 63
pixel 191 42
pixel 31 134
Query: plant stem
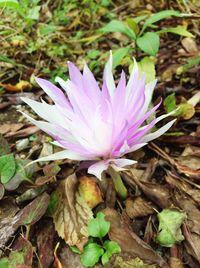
pixel 118 183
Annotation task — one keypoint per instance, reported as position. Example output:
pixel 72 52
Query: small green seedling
pixel 96 248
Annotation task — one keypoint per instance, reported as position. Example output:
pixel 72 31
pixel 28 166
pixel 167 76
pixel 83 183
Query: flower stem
pixel 118 183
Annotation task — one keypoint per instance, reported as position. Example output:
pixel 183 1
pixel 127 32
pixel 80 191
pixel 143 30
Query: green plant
pixel 96 248
pixel 147 41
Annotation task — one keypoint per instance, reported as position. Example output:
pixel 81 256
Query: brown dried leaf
pixel 90 191
pixel 159 194
pixel 22 133
pixel 189 172
pixel 138 207
pixel 192 243
pixel 129 242
pixel 175 263
pixel 27 216
pixel 45 238
pixel 73 214
pixel 11 127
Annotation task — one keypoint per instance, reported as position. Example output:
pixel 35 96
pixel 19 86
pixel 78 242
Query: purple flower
pixel 99 125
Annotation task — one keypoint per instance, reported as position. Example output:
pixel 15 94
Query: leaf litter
pixel 40 205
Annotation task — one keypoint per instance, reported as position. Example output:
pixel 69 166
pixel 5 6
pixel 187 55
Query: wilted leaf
pixel 138 207
pixel 20 86
pixel 169 232
pixel 185 110
pixel 27 216
pixel 132 263
pixel 72 214
pixel 190 45
pixel 90 191
pixel 149 43
pixel 45 242
pixel 129 242
pixel 91 254
pixel 4 146
pixel 2 191
pixel 22 253
pixel 7 167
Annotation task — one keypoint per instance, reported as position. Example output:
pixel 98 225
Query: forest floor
pixel 45 208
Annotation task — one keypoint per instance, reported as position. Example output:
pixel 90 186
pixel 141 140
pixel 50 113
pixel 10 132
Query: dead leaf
pixel 69 259
pixel 73 214
pixel 192 243
pixel 20 86
pixel 119 262
pixel 189 172
pixel 22 133
pixel 27 216
pixel 129 242
pixel 2 191
pixel 11 127
pixel 157 193
pixel 175 263
pixel 89 190
pixel 8 208
pixel 190 45
pixel 45 243
pixel 21 255
pixel 138 207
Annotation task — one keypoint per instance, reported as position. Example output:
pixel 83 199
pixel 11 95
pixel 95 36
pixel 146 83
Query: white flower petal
pixel 158 133
pixel 97 168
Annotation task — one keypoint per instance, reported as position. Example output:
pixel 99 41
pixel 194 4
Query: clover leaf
pixel 91 254
pixel 98 227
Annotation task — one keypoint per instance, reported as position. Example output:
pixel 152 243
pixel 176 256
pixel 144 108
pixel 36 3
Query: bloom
pixel 99 125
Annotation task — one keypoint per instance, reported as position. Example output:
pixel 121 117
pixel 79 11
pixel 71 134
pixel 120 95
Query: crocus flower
pixel 96 124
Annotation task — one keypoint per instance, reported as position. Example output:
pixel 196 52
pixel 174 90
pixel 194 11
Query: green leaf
pixel 111 247
pixel 139 18
pixel 4 263
pixel 47 29
pixel 98 227
pixel 170 102
pixel 133 25
pixel 7 167
pixel 169 232
pixel 147 66
pixel 91 254
pixel 160 16
pixel 118 56
pixel 118 26
pixel 34 13
pixel 53 204
pixel 180 30
pixel 149 43
pixel 12 4
pixel 75 250
pixel 191 62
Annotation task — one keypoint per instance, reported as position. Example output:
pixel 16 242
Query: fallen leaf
pixel 27 216
pixel 129 242
pixel 21 255
pixel 169 232
pixel 4 146
pixel 45 243
pixel 20 86
pixel 22 133
pixel 119 262
pixel 72 214
pixel 190 45
pixel 138 207
pixel 90 191
pixel 11 127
